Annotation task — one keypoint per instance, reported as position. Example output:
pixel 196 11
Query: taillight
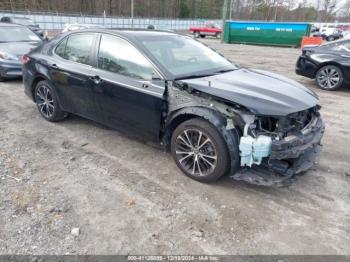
pixel 25 59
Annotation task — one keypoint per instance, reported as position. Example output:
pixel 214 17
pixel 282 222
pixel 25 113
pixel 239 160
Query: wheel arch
pixel 36 80
pixel 334 63
pixel 217 119
pixel 40 78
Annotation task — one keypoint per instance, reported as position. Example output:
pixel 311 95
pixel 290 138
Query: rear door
pixel 128 90
pixel 70 72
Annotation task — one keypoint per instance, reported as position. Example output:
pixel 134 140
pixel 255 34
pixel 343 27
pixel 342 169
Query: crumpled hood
pixel 262 92
pixel 18 48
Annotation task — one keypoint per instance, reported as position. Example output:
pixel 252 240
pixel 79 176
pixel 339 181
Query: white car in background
pixel 73 27
pixel 328 30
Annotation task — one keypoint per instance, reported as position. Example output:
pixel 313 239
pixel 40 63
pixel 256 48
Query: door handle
pixel 145 85
pixel 96 79
pixel 54 66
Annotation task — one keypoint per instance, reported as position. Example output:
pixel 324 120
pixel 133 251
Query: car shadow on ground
pixel 12 80
pixel 224 182
pixel 77 121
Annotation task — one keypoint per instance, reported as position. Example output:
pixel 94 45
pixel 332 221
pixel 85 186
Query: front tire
pixel 329 78
pixel 200 151
pixel 196 34
pixel 47 102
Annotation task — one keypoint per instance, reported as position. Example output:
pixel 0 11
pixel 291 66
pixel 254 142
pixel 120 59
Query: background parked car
pixel 343 27
pixel 73 27
pixel 328 64
pixel 15 41
pixel 329 33
pixel 337 34
pixel 314 29
pixel 25 22
pixel 209 29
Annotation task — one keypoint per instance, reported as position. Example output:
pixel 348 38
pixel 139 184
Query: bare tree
pixel 345 10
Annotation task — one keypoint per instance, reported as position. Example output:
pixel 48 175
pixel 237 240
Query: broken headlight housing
pixel 260 134
pixel 281 127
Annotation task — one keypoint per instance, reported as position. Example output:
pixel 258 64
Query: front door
pixel 127 90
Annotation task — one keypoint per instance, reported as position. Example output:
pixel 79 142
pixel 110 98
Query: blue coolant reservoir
pixel 253 150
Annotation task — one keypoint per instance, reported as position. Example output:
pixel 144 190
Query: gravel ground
pixel 77 187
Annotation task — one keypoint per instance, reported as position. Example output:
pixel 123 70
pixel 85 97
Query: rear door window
pixel 76 48
pixel 61 48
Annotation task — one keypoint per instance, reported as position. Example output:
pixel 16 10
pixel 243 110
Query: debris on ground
pixel 75 231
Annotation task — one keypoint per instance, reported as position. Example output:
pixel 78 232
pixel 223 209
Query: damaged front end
pixel 273 150
pixel 269 150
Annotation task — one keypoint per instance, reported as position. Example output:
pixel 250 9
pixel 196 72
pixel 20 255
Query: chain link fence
pixel 57 21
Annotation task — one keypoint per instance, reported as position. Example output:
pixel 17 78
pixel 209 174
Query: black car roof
pixel 126 32
pixel 133 35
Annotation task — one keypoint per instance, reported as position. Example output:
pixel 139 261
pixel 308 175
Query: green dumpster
pixel 266 33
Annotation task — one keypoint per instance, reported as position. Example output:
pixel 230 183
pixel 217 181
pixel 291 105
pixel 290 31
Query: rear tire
pixel 200 151
pixel 196 34
pixel 47 102
pixel 329 78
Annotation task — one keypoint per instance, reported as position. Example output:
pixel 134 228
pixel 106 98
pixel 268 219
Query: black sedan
pixel 15 41
pixel 215 117
pixel 329 64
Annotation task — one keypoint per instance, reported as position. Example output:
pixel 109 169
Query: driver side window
pixel 119 56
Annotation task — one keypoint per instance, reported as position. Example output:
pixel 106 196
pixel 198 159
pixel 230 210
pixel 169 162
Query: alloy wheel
pixel 196 152
pixel 45 101
pixel 328 77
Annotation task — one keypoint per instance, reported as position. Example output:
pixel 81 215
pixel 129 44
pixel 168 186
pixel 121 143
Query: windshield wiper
pixel 194 76
pixel 27 41
pixel 224 71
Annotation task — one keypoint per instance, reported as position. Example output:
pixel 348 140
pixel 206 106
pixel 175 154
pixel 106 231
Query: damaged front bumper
pixel 289 156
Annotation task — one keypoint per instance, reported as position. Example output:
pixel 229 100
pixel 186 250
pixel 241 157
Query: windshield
pixel 23 21
pixel 342 46
pixel 184 57
pixel 335 43
pixel 17 34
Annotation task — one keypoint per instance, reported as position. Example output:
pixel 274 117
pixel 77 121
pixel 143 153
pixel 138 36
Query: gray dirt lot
pixel 129 197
